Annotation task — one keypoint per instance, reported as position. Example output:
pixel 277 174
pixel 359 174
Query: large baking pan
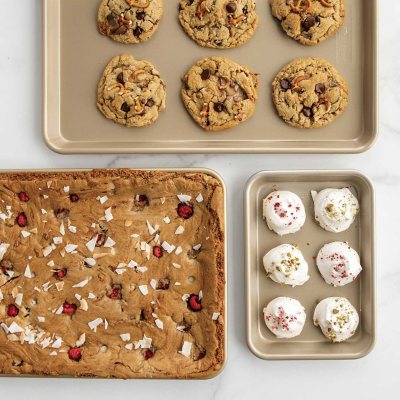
pixel 311 344
pixel 75 55
pixel 64 173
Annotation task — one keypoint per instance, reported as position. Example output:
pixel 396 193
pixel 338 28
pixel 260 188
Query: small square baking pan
pixel 75 55
pixel 311 344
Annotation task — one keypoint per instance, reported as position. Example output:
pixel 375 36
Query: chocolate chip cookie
pixel 129 21
pixel 219 93
pixel 131 92
pixel 309 21
pixel 219 24
pixel 309 93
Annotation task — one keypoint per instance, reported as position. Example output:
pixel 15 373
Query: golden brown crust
pixel 104 353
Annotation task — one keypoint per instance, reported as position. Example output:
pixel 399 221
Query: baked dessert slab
pixel 260 289
pixel 108 273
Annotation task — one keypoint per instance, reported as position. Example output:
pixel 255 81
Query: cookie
pixel 129 21
pixel 309 21
pixel 219 93
pixel 309 93
pixel 131 92
pixel 219 24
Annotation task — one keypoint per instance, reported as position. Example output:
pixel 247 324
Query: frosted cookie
pixel 337 318
pixel 338 263
pixel 285 317
pixel 286 265
pixel 335 209
pixel 284 212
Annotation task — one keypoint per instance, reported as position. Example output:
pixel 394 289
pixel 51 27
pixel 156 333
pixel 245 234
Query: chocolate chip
pixel 307 112
pixel 121 30
pixel 137 31
pixel 205 74
pixel 231 7
pixel 112 21
pixel 120 78
pixel 219 107
pixel 150 103
pixel 285 84
pixel 140 15
pixel 308 23
pixel 320 88
pixel 125 108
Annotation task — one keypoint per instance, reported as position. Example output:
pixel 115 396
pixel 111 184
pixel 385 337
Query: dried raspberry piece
pixel 194 303
pixel 157 251
pixel 141 200
pixel 73 197
pixel 12 310
pixel 75 354
pixel 60 274
pixel 185 210
pixel 148 354
pixel 23 197
pixel 116 292
pixel 62 213
pixel 69 308
pixel 22 220
pixel 163 284
pixel 101 240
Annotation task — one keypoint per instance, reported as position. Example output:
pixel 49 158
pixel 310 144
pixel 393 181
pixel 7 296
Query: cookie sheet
pixel 260 290
pixel 75 55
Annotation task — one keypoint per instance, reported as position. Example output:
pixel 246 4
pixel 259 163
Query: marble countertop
pixel 21 146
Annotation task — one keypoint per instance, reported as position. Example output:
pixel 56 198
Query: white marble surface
pixel 377 375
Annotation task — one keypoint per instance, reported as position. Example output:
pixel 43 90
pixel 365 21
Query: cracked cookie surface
pixel 309 21
pixel 309 93
pixel 131 92
pixel 129 21
pixel 219 93
pixel 219 24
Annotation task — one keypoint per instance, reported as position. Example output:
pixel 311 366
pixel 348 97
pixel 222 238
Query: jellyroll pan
pixel 75 55
pixel 111 182
pixel 260 290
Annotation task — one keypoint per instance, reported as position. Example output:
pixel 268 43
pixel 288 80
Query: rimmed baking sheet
pixel 311 344
pixel 75 55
